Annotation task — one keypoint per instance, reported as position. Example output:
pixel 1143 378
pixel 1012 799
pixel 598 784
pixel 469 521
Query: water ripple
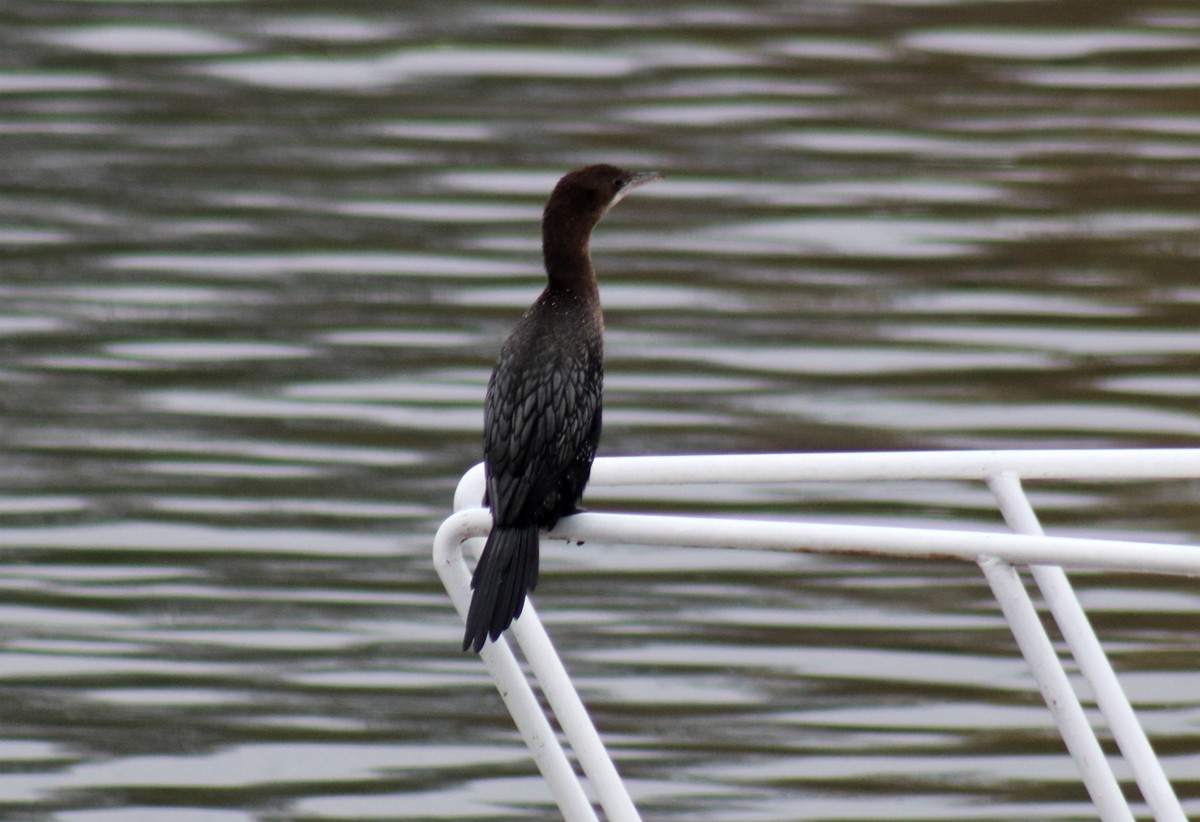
pixel 1033 44
pixel 275 265
pixel 144 40
pixel 296 72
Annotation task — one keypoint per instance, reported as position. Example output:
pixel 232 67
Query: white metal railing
pixel 995 553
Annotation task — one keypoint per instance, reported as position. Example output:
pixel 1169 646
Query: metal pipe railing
pixel 1093 662
pixel 1033 464
pixel 994 552
pixel 1047 669
pixel 548 670
pixel 514 689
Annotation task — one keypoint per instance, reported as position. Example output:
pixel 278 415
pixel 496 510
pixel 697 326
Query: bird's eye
pixel 618 184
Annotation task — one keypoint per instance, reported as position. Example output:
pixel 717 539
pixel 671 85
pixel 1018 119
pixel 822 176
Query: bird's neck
pixel 566 255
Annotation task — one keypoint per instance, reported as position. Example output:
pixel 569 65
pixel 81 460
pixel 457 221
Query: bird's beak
pixel 643 177
pixel 638 180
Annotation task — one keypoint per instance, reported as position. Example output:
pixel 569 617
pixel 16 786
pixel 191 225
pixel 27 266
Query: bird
pixel 542 410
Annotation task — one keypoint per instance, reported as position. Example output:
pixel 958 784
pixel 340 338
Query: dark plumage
pixel 541 418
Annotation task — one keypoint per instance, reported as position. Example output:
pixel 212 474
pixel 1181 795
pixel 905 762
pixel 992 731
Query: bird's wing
pixel 539 411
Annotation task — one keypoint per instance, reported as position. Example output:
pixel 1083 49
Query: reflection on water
pixel 259 262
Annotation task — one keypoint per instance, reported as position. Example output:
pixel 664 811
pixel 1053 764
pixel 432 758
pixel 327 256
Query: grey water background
pixel 258 259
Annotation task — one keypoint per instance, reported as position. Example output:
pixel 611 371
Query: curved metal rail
pixel 995 553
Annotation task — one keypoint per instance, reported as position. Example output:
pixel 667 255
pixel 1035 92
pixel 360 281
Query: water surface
pixel 259 259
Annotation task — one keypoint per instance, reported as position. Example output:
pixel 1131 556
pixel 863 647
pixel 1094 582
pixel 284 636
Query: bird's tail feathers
pixel 507 570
